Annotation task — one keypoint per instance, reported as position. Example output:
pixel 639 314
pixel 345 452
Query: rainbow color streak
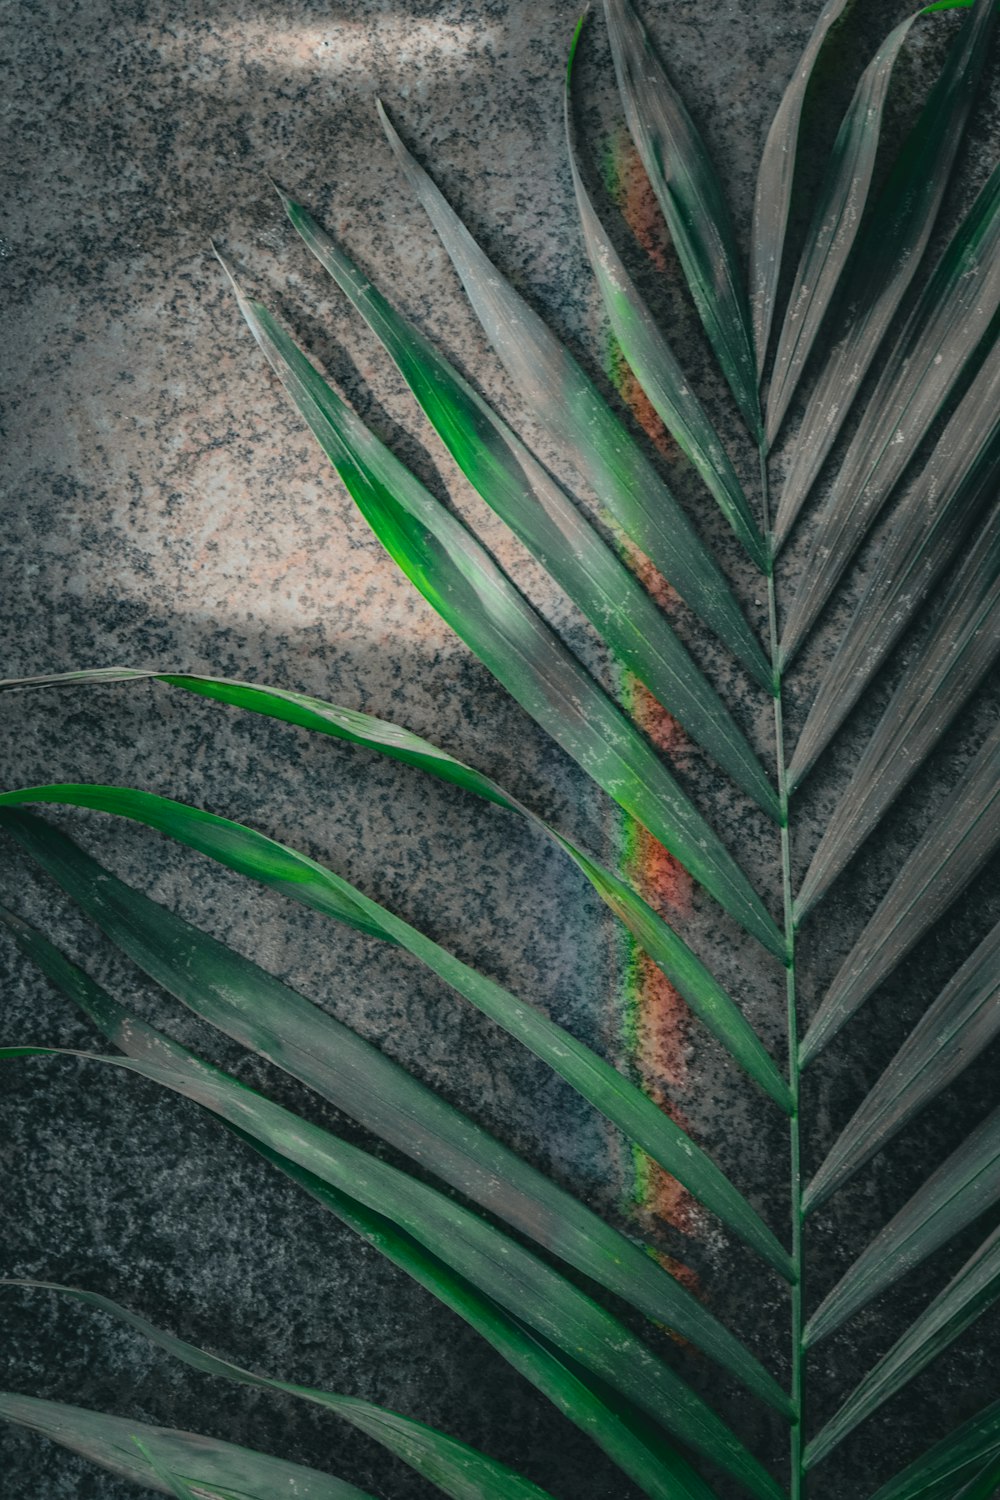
pixel 655 1019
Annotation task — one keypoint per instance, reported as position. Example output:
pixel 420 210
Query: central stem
pixel 797 1483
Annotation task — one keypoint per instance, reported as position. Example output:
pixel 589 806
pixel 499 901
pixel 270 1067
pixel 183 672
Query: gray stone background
pixel 165 508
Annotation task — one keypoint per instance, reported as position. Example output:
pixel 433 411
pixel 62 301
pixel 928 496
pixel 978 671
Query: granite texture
pixel 164 507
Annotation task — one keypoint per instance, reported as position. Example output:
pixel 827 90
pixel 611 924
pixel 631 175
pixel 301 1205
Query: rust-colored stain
pixel 656 1019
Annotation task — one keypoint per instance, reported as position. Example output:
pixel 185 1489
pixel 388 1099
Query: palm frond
pixel 955 846
pixel 494 1240
pixel 221 1470
pixel 682 967
pixel 497 1266
pixel 834 228
pixel 553 529
pixel 970 1293
pixel 691 198
pixel 467 588
pixel 248 1004
pixel 953 320
pixel 887 253
pixel 304 880
pixel 938 682
pixel 593 440
pixel 945 1472
pixel 775 176
pixel 453 1467
pixel 652 359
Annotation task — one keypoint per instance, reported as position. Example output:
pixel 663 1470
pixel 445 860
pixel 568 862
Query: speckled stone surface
pixel 165 508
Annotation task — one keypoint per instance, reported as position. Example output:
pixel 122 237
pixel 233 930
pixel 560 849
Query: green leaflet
pixel 773 196
pixel 302 879
pixel 595 442
pixel 834 227
pixel 682 967
pixel 635 1444
pixel 985 1485
pixel 955 846
pixel 952 1197
pixel 691 199
pixel 461 581
pixel 174 1486
pixel 952 1463
pixel 221 1469
pixel 887 253
pixel 939 680
pixel 454 1467
pixel 653 361
pixel 258 1011
pixel 512 1276
pixel 953 322
pixel 960 1024
pixel 975 1288
pixel 930 526
pixel 554 530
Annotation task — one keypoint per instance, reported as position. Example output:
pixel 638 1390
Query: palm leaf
pixel 954 1463
pixel 952 1197
pixel 887 253
pixel 682 967
pixel 773 196
pixel 954 847
pixel 510 1275
pixel 969 1293
pixel 834 228
pixel 218 1469
pixel 984 1486
pixel 301 878
pixel 453 1467
pixel 652 359
pixel 460 580
pixel 553 529
pixel 939 680
pixel 632 1442
pixel 232 993
pixel 594 441
pixel 933 351
pixel 960 1024
pixel 690 196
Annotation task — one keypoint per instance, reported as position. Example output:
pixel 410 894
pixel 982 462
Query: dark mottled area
pixel 163 507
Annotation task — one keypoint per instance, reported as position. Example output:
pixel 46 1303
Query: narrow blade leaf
pixel 688 975
pixel 956 1194
pixel 554 530
pixel 512 1276
pixel 773 197
pixel 956 1460
pixel 219 1469
pixel 872 469
pixel 887 253
pixel 955 846
pixel 462 582
pixel 302 879
pixel 929 528
pixel 595 442
pixel 834 227
pixel 961 1023
pixel 945 673
pixel 975 1288
pixel 232 993
pixel 454 1467
pixel 633 1442
pixel 985 1485
pixel 691 199
pixel 654 362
